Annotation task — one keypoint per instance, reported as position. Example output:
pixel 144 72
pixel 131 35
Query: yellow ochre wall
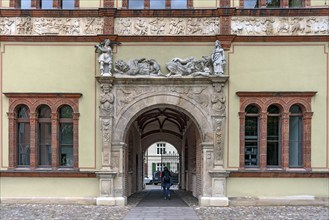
pixel 71 68
pixel 277 187
pixel 49 187
pixel 53 68
pixel 280 67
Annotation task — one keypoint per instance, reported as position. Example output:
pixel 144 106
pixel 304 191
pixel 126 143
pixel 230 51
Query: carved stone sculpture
pixel 174 26
pixel 279 26
pixel 105 57
pixel 141 66
pixel 106 101
pixel 218 100
pixel 189 66
pixel 218 59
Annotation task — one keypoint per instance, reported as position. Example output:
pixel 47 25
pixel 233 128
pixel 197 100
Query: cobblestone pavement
pixel 82 212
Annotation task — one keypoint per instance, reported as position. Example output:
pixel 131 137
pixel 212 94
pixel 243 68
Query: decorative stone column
pixel 214 174
pixel 109 171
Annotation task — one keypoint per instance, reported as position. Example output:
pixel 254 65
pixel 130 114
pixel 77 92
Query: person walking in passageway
pixel 166 182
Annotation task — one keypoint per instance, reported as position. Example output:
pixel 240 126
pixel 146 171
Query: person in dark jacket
pixel 166 182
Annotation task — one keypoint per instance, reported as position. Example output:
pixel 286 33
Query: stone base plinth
pixel 213 201
pixel 111 201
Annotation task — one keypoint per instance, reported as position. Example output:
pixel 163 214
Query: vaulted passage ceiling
pixel 164 120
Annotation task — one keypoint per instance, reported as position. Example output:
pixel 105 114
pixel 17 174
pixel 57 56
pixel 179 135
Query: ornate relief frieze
pixel 280 25
pixel 51 26
pixel 166 26
pixel 126 95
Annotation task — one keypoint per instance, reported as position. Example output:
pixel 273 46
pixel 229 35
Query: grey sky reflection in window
pixel 136 4
pixel 25 4
pixel 251 3
pixel 157 4
pixel 178 4
pixel 68 4
pixel 46 4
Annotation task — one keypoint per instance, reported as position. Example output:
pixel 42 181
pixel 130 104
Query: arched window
pixel 251 136
pixel 272 3
pixel 66 136
pixel 23 136
pixel 295 137
pixel 273 136
pixel 44 135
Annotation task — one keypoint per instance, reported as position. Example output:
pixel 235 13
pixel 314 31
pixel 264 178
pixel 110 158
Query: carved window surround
pixel 284 100
pixel 33 101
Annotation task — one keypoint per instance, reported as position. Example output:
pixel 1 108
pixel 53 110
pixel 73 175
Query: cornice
pixel 114 12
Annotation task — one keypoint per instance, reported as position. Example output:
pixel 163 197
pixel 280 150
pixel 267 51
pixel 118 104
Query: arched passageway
pixel 163 124
pixel 188 113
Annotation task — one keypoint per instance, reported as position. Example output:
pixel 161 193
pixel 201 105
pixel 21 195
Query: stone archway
pixel 125 99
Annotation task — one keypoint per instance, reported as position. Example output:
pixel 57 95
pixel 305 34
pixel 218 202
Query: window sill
pixel 278 173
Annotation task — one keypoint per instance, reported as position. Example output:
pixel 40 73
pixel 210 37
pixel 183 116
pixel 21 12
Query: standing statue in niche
pixel 106 100
pixel 218 59
pixel 105 57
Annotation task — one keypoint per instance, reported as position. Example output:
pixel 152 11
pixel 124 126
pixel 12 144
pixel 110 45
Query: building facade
pixel 238 87
pixel 160 155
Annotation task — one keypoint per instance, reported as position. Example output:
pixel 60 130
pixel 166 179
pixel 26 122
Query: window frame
pixel 147 5
pixel 283 4
pixel 34 101
pixel 20 121
pixel 283 100
pixel 249 140
pixel 36 4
